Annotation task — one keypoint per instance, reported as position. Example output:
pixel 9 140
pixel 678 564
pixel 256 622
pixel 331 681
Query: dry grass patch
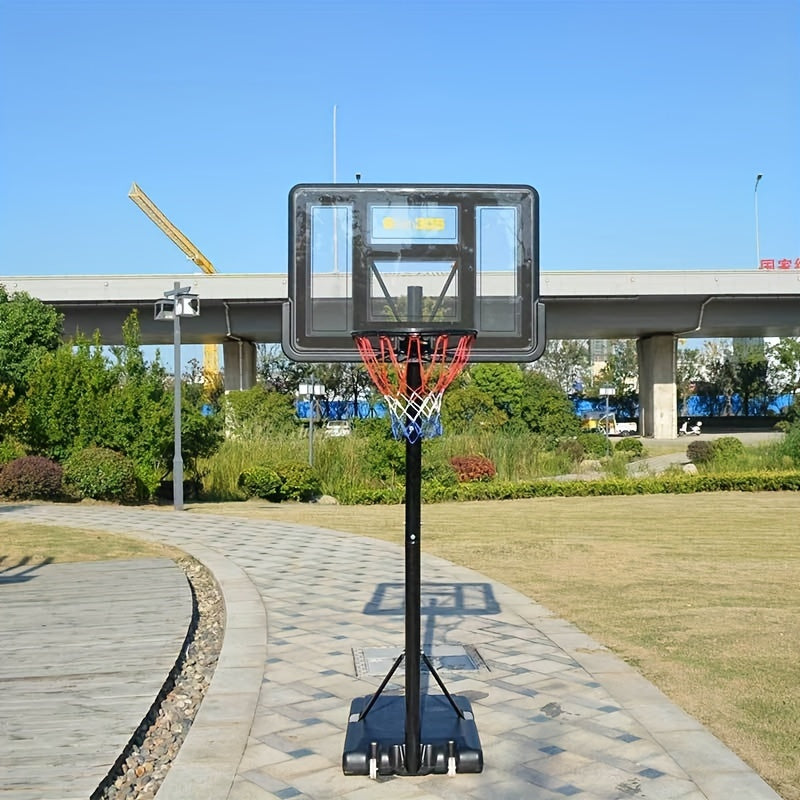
pixel 699 592
pixel 24 543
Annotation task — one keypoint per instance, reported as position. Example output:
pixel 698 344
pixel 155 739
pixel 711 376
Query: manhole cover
pixel 454 657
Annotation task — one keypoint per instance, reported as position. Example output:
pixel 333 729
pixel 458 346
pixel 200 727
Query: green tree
pixel 566 363
pixel 12 421
pixel 547 410
pixel 28 330
pixel 80 398
pixel 343 381
pixel 140 421
pixel 259 412
pixel 503 383
pixel 66 402
pixel 622 372
pixel 688 370
pixel 280 373
pixel 467 408
pixel 750 370
pixel 720 382
pixel 784 357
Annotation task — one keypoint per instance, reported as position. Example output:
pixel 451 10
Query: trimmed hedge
pixel 700 451
pixel 727 447
pixel 101 474
pixel 504 490
pixel 261 482
pixel 633 448
pixel 290 480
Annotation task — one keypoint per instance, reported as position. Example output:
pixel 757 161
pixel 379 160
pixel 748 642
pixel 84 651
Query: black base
pixel 448 743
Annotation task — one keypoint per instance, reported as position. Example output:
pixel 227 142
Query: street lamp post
pixel 755 201
pixel 606 391
pixel 310 391
pixel 179 303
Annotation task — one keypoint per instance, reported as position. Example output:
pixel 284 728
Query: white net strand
pixel 416 416
pixel 415 413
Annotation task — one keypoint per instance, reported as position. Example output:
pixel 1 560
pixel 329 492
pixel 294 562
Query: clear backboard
pixel 413 259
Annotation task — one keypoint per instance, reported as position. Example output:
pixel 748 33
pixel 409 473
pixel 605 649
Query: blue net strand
pixel 427 428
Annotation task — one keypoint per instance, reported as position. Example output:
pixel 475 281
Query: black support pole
pixel 413 526
pixel 413 503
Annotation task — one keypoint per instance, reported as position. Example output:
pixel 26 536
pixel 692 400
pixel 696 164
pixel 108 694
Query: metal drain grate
pixel 377 661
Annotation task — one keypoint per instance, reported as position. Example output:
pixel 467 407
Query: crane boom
pixel 210 351
pixel 177 236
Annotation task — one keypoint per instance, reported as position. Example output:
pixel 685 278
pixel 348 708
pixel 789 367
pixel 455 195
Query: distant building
pixel 599 352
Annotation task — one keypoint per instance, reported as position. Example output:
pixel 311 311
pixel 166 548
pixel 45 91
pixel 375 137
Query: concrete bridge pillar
pixel 658 413
pixel 239 359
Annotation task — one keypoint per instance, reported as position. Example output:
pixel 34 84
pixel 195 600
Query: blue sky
pixel 642 123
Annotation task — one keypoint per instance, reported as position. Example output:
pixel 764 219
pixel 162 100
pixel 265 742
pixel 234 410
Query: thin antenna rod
pixel 335 210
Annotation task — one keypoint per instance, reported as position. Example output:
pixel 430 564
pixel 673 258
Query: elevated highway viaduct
pixel 654 307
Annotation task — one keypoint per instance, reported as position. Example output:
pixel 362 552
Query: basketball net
pixel 415 411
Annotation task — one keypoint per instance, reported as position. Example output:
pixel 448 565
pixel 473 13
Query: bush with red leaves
pixel 31 478
pixel 473 468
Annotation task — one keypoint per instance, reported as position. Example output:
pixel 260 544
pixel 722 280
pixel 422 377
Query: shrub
pixel 440 473
pixel 700 452
pixel 790 446
pixel 473 468
pixel 385 456
pixel 10 448
pixel 148 479
pixel 633 448
pixel 659 484
pixel 298 481
pixel 31 478
pixel 617 465
pixel 101 474
pixel 291 480
pixel 595 445
pixel 727 447
pixel 573 449
pixel 263 482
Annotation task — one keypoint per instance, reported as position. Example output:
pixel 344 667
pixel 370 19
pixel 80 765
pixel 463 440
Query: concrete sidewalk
pixel 558 715
pixel 86 649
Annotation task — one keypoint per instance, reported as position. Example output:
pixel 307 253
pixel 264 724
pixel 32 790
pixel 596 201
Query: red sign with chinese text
pixel 783 263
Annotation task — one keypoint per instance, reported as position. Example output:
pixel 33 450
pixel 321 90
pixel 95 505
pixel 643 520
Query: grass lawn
pixel 29 545
pixel 700 592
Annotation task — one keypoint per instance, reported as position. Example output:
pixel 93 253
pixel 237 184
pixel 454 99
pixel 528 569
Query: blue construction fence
pixel 696 406
pixel 340 409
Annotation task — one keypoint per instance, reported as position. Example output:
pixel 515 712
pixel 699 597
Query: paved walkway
pixel 84 651
pixel 558 715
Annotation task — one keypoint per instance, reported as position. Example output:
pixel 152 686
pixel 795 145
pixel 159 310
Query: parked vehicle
pixel 690 430
pixel 602 423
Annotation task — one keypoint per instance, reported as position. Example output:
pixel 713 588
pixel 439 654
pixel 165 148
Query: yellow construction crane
pixel 210 351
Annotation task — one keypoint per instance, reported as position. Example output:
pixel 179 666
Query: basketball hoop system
pixel 412 370
pixel 419 280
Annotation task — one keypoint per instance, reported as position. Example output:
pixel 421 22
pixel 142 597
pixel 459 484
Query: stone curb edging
pixel 208 759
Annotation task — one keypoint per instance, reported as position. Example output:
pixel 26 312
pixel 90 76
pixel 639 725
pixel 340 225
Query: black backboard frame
pixel 300 343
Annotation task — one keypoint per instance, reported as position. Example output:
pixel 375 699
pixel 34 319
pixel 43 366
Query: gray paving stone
pixel 86 649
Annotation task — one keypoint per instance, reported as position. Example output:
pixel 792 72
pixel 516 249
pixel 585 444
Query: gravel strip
pixel 143 765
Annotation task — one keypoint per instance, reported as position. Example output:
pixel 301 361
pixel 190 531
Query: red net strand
pixel 415 410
